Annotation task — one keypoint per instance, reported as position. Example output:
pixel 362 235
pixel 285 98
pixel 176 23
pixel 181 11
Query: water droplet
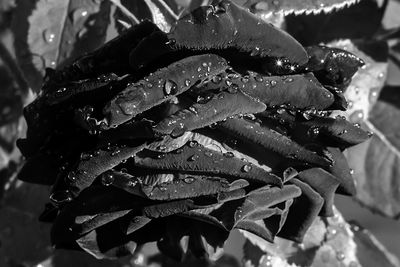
pixel 61 91
pixel 228 82
pixel 86 156
pixel 289 173
pixel 204 98
pixel 233 89
pixel 189 179
pixel 132 183
pixel 82 32
pixel 193 110
pixel 161 156
pixel 258 78
pixel 332 231
pixel 162 188
pixel 71 176
pixel 115 152
pixel 162 147
pixel 246 168
pixel 107 178
pixel 229 155
pixel 245 79
pixel 193 158
pixel 193 144
pixel 170 87
pixel 381 75
pixel 313 132
pixel 198 69
pixel 351 171
pixel 78 13
pixel 61 197
pixel 49 36
pixel 273 83
pixel 178 131
pixel 355 228
pixel 208 154
pixel 187 82
pixel 179 151
pixel 340 256
pixel 216 79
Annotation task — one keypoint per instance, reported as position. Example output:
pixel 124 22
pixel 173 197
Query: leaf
pixel 296 6
pixel 376 163
pixel 162 13
pixel 360 20
pixel 56 32
pixel 370 251
pixel 328 243
pixel 366 84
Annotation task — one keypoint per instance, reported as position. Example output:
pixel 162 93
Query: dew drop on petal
pixel 193 110
pixel 170 87
pixel 208 154
pixel 178 131
pixel 71 176
pixel 162 147
pixel 313 132
pixel 179 151
pixel 258 78
pixel 246 168
pixel 61 197
pixel 187 82
pixel 107 179
pixel 49 36
pixel 229 155
pixel 289 173
pixel 189 179
pixel 216 79
pixel 193 157
pixel 233 89
pixel 340 256
pixel 161 156
pixel 78 13
pixel 193 144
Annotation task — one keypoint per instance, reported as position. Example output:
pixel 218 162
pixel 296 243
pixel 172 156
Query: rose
pixel 181 137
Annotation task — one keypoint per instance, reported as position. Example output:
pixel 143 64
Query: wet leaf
pixel 162 13
pixel 370 251
pixel 56 32
pixel 364 17
pixel 267 7
pixel 327 243
pixel 376 163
